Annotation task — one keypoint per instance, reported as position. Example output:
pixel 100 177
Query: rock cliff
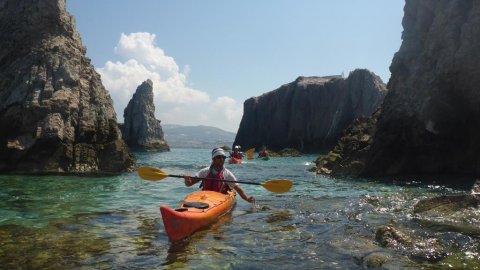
pixel 141 131
pixel 430 119
pixel 55 114
pixel 310 113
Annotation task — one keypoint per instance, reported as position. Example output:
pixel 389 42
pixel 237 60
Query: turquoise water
pixel 54 222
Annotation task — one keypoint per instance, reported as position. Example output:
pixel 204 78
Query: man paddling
pixel 218 171
pixel 237 153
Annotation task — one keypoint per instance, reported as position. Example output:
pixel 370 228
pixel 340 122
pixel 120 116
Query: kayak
pixel 197 211
pixel 265 158
pixel 233 160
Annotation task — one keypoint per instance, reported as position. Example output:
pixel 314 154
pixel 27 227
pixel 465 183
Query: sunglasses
pixel 222 157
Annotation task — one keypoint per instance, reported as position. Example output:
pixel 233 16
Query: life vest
pixel 213 185
pixel 237 155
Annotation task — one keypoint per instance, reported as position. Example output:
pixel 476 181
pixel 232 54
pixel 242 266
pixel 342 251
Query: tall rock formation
pixel 55 114
pixel 141 131
pixel 430 120
pixel 310 113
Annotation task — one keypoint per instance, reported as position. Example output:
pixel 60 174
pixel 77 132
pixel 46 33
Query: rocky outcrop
pixel 141 131
pixel 55 114
pixel 430 119
pixel 453 213
pixel 416 247
pixel 310 113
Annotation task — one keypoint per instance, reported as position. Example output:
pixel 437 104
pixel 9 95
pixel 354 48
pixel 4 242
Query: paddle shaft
pixel 213 179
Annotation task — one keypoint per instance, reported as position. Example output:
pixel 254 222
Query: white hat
pixel 218 152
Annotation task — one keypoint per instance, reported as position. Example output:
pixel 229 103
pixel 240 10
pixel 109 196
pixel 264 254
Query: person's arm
pixel 189 181
pixel 244 196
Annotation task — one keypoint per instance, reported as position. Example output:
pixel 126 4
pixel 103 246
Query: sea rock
pixel 450 213
pixel 309 114
pixel 375 259
pixel 429 123
pixel 415 247
pixel 476 187
pixel 289 152
pixel 447 204
pixel 226 148
pixel 141 130
pixel 55 114
pixel 347 157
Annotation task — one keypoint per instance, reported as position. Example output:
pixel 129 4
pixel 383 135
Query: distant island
pixel 179 136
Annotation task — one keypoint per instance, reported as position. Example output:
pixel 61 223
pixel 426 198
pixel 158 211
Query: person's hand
pixel 188 180
pixel 251 199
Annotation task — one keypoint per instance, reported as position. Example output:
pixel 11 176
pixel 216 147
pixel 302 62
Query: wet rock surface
pixel 418 249
pixel 141 130
pixel 55 114
pixel 452 213
pixel 447 204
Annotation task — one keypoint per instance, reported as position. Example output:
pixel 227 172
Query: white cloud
pixel 175 101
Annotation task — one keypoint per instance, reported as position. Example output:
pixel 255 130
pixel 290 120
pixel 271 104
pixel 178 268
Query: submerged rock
pixel 453 213
pixel 415 247
pixel 375 259
pixel 55 114
pixel 429 123
pixel 445 205
pixel 310 113
pixel 141 130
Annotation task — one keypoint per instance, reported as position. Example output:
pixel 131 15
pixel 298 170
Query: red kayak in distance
pixel 233 160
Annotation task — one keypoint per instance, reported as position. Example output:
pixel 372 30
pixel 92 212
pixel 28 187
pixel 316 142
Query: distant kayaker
pixel 263 152
pixel 218 171
pixel 237 152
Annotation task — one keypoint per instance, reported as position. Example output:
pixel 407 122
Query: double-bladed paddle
pixel 275 186
pixel 249 153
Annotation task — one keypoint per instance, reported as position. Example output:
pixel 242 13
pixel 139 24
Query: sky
pixel 207 57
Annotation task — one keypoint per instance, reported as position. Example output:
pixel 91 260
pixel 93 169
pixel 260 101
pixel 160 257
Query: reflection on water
pixel 54 222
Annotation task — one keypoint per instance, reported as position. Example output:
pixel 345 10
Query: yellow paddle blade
pixel 250 153
pixel 152 174
pixel 277 186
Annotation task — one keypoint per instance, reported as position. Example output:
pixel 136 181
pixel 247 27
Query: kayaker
pixel 218 171
pixel 263 152
pixel 237 152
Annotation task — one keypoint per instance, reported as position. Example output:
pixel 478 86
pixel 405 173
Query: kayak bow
pixel 197 211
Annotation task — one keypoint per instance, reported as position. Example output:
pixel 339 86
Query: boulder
pixel 141 130
pixel 55 114
pixel 417 248
pixel 450 213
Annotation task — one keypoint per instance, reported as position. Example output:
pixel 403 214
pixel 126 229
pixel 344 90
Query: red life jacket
pixel 237 155
pixel 217 186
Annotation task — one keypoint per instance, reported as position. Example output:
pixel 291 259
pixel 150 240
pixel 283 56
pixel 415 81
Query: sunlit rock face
pixel 310 113
pixel 55 114
pixel 141 130
pixel 430 119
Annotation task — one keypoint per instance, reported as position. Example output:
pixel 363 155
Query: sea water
pixel 66 222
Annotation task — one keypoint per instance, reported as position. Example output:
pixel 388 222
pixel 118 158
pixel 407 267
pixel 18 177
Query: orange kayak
pixel 197 211
pixel 233 160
